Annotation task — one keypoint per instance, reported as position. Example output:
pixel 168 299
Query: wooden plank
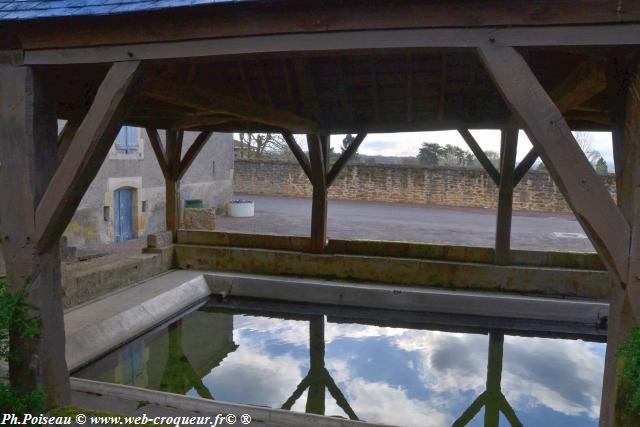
pixel 482 158
pixel 319 201
pixel 87 151
pixel 158 150
pixel 28 133
pixel 505 195
pixel 578 35
pixel 193 152
pixel 210 102
pixel 344 158
pixel 524 166
pixel 298 154
pixel 573 174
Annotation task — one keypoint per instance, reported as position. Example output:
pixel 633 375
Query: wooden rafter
pixel 307 91
pixel 524 166
pixel 87 150
pixel 572 173
pixel 298 153
pixel 66 136
pixel 344 158
pixel 586 81
pixel 192 152
pixel 161 156
pixel 482 158
pixel 210 102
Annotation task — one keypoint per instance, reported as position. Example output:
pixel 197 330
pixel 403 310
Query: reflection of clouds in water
pixel 565 376
pixel 558 374
pixel 383 403
pixel 251 375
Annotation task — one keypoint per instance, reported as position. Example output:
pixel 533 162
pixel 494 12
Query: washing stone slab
pixel 102 325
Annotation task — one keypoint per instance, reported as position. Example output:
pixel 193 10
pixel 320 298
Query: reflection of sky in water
pixel 388 375
pixel 412 377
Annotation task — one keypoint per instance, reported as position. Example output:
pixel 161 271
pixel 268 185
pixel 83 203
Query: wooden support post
pixel 319 204
pixel 509 146
pixel 173 168
pixel 582 188
pixel 624 312
pixel 28 153
pixel 172 183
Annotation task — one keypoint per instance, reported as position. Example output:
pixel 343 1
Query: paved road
pixel 406 222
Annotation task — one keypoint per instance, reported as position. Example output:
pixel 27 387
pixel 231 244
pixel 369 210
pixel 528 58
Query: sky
pixel 408 143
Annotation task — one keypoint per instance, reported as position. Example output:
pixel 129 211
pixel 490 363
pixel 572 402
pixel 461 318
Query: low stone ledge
pixel 401 271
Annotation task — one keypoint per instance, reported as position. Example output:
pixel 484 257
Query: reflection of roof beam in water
pixel 318 379
pixel 492 399
pixel 179 376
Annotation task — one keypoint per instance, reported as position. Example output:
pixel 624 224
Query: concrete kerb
pixel 207 407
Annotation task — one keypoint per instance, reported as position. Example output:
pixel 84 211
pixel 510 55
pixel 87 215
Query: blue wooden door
pixel 123 214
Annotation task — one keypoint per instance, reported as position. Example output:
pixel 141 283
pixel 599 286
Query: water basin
pixel 390 370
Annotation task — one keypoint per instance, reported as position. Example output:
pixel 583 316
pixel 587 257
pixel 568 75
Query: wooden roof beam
pixel 208 101
pixel 627 34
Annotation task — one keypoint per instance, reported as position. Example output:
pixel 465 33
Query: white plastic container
pixel 240 208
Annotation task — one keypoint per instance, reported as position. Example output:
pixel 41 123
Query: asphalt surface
pixel 412 223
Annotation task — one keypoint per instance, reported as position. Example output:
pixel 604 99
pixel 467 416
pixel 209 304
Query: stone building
pixel 127 198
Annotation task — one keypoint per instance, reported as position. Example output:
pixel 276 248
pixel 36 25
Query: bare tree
pixel 262 145
pixel 585 141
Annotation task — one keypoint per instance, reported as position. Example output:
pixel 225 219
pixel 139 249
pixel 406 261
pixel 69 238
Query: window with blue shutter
pixel 127 140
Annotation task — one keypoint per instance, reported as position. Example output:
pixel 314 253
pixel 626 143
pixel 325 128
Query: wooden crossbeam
pixel 211 102
pixel 156 145
pixel 298 153
pixel 573 174
pixel 193 152
pixel 344 158
pixel 482 158
pixel 87 150
pixel 335 41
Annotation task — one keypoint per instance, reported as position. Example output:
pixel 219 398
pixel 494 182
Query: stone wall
pixel 404 184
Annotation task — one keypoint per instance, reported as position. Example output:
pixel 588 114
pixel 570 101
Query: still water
pixel 400 376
